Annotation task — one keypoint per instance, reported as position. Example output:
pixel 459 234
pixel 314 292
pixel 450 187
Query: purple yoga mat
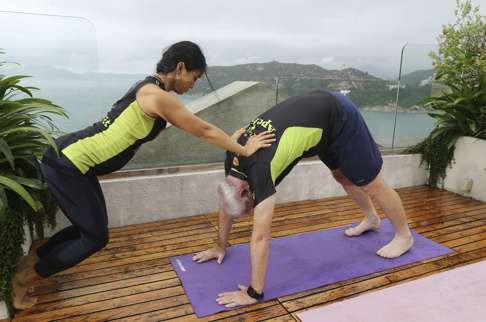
pixel 297 263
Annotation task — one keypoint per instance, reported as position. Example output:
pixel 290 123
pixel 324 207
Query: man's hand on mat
pixel 213 253
pixel 255 142
pixel 237 298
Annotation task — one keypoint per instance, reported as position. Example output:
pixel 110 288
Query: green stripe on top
pixel 131 125
pixel 292 144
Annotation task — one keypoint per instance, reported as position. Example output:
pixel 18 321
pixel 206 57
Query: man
pixel 319 123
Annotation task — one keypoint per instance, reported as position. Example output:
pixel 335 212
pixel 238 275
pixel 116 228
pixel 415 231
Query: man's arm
pixel 224 228
pixel 156 102
pixel 260 242
pixel 259 248
pixel 218 252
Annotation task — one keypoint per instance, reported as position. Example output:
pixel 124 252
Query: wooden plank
pixel 334 294
pixel 185 313
pixel 282 318
pixel 340 203
pixel 110 271
pixel 324 213
pixel 97 280
pixel 165 246
pixel 109 309
pixel 67 294
pixel 155 236
pixel 169 314
pixel 172 286
pixel 239 236
pixel 162 224
pixel 133 260
pixel 344 215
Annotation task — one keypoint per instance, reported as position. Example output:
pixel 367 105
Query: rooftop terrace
pixel 132 279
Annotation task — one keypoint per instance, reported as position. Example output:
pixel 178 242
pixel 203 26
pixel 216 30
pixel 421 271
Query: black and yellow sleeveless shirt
pixel 106 146
pixel 304 126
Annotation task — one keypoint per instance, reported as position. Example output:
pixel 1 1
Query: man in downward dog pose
pixel 319 123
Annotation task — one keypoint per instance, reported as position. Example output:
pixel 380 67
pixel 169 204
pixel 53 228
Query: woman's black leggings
pixel 80 198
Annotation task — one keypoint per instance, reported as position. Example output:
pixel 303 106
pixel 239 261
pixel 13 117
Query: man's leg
pixel 391 204
pixel 371 219
pixel 357 156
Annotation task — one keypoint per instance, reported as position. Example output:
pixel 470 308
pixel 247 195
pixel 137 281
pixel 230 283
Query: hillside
pixel 364 89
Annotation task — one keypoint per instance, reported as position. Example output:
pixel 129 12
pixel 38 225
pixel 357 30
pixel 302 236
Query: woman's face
pixel 185 79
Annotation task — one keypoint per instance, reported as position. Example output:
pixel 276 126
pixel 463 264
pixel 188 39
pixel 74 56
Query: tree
pixel 462 51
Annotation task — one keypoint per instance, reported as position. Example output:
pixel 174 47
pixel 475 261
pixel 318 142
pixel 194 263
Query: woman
pixel 138 117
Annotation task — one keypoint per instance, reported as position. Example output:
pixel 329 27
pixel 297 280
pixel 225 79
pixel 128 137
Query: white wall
pixel 469 162
pixel 151 198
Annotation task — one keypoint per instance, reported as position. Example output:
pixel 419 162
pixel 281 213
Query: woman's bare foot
pixel 21 283
pixel 26 303
pixel 19 290
pixel 369 222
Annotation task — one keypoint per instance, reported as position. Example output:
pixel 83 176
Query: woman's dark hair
pixel 184 51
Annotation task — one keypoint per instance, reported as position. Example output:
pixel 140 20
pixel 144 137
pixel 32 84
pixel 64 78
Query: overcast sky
pixel 129 35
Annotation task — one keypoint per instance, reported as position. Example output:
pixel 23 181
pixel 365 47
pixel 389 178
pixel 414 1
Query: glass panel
pixel 374 96
pixel 233 105
pixel 60 53
pixel 413 124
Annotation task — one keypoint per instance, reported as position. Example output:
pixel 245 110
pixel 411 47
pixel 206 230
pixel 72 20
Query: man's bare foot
pixel 398 246
pixel 371 222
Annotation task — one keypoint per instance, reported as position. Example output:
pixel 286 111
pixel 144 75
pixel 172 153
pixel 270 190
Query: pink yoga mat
pixel 458 295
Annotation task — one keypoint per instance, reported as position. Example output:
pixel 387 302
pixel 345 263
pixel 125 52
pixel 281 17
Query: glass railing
pixel 236 102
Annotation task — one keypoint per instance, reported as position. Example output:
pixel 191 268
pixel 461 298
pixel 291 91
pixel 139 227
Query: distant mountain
pixel 293 78
pixel 418 77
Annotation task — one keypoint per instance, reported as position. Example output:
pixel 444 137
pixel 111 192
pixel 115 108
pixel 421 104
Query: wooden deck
pixel 132 280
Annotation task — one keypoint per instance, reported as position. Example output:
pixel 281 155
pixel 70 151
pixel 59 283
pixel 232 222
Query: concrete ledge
pixel 141 199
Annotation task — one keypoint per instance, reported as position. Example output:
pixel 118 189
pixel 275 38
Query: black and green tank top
pixel 304 126
pixel 106 146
